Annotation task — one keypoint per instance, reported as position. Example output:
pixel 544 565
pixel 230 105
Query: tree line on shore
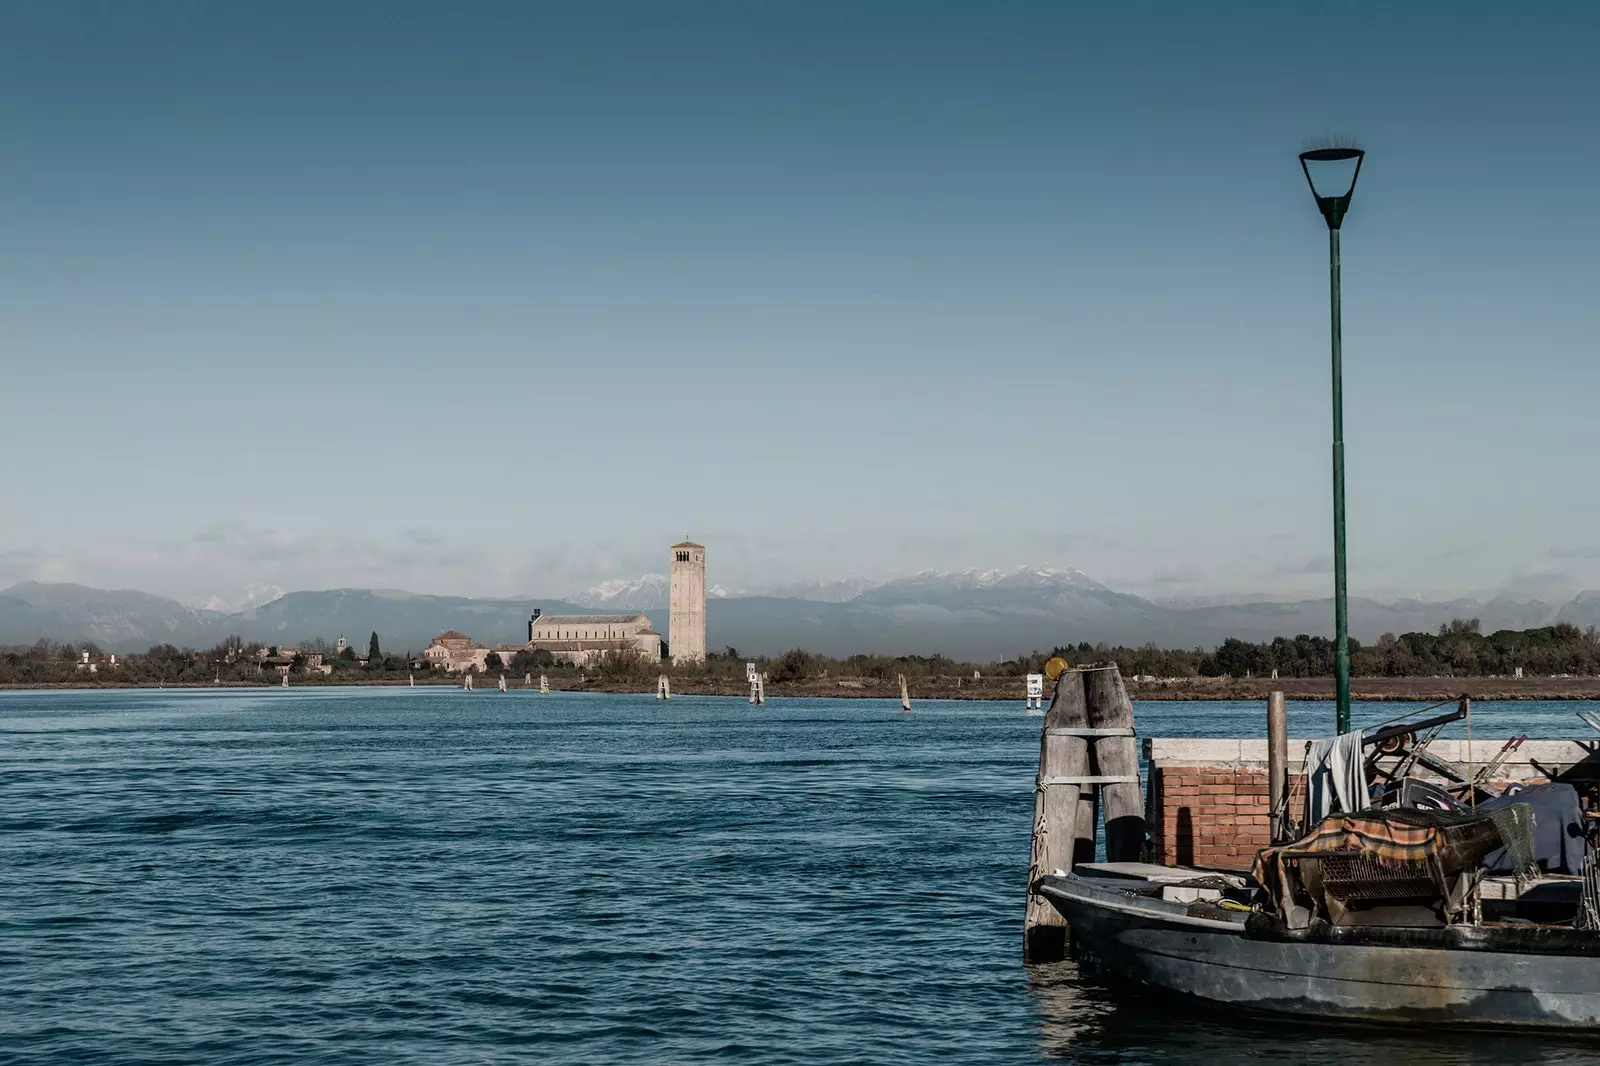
pixel 1458 649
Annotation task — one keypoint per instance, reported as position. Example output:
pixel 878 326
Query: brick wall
pixel 1207 801
pixel 1208 815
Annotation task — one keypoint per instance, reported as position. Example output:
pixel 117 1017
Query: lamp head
pixel 1336 168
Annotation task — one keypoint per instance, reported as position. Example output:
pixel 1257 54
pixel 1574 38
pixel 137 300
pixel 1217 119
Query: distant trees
pixel 1459 649
pixel 796 664
pixel 528 661
pixel 492 661
pixel 624 663
pixel 374 656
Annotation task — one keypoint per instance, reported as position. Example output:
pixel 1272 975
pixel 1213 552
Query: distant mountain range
pixel 973 614
pixel 651 591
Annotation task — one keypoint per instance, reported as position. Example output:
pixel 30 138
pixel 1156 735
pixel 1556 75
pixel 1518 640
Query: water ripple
pixel 372 876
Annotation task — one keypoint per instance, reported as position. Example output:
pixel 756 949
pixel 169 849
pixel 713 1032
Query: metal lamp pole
pixel 1333 211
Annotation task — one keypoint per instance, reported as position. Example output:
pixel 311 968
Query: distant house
pixel 454 652
pixel 93 662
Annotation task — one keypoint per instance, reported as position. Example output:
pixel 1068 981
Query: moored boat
pixel 1507 975
pixel 1380 916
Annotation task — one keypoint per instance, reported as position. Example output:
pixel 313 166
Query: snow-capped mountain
pixel 1024 587
pixel 840 591
pixel 253 596
pixel 642 594
pixel 1025 584
pixel 651 591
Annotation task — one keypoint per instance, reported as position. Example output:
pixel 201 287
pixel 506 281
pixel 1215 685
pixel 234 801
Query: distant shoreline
pixel 1383 689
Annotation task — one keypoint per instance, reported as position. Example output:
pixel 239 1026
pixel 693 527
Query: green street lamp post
pixel 1333 164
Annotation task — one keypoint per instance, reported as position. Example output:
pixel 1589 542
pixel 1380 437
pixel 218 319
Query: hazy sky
pixel 504 298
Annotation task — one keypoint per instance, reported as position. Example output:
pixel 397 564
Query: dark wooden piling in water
pixel 1116 763
pixel 1057 818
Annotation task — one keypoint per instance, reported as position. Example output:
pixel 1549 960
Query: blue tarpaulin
pixel 1558 840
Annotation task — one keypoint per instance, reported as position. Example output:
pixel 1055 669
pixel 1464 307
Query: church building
pixel 582 638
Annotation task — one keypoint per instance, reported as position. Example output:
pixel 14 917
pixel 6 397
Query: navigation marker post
pixel 1033 698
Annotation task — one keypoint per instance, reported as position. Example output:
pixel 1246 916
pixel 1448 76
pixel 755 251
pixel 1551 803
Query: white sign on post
pixel 750 672
pixel 1035 692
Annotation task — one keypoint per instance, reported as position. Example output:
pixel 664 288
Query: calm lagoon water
pixel 432 876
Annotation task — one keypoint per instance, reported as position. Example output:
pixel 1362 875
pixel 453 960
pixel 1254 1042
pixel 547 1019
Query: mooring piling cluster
pixel 1088 762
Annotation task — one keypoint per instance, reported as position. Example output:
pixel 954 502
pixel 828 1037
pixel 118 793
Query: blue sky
pixel 502 298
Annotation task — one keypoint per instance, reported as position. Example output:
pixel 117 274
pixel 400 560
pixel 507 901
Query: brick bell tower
pixel 686 625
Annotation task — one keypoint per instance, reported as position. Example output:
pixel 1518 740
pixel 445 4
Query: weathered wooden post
pixel 544 685
pixel 1085 841
pixel 1277 766
pixel 1116 763
pixel 663 688
pixel 905 694
pixel 1063 767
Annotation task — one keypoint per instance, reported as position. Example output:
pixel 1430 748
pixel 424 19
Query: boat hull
pixel 1158 945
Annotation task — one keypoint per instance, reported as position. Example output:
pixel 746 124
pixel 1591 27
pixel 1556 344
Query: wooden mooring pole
pixel 1116 762
pixel 1063 764
pixel 1088 759
pixel 905 694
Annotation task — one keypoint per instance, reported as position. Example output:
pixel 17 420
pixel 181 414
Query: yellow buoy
pixel 1055 667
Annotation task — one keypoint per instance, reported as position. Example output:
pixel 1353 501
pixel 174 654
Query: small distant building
pixel 582 638
pixel 281 663
pixel 454 652
pixel 91 662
